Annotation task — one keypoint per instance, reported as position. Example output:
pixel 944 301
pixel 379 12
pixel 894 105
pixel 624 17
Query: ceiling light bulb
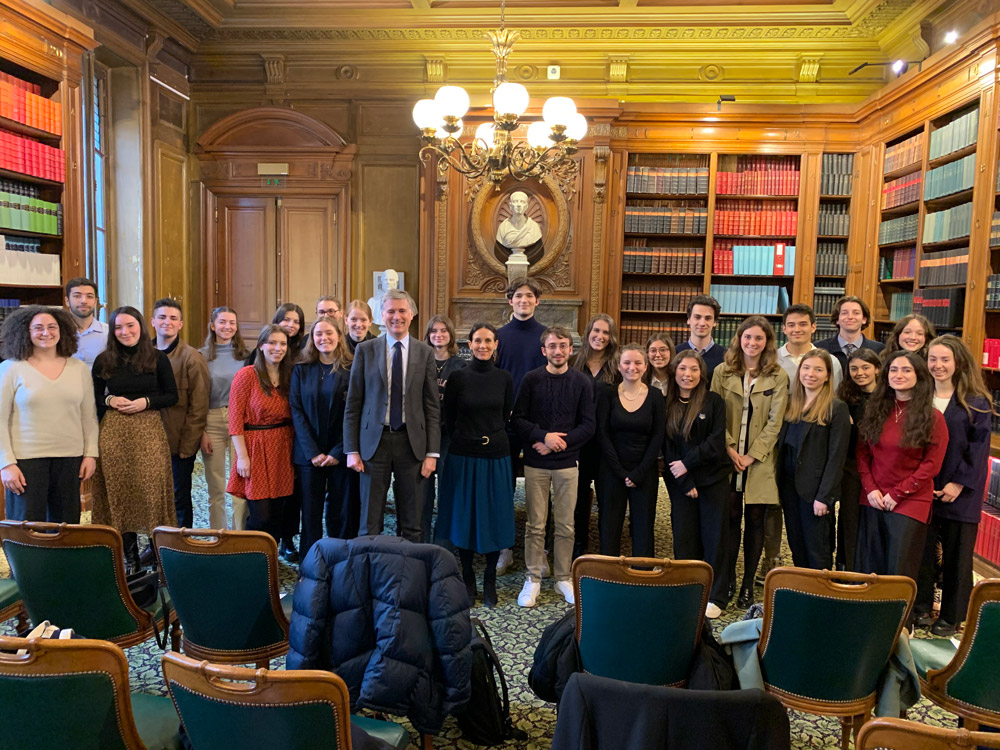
pixel 485 133
pixel 510 99
pixel 426 114
pixel 897 66
pixel 538 135
pixel 576 128
pixel 558 110
pixel 951 37
pixel 452 100
pixel 442 133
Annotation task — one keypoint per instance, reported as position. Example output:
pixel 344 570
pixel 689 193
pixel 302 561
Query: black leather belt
pixel 283 423
pixel 387 428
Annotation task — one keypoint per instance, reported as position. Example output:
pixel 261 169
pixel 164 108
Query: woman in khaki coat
pixel 754 388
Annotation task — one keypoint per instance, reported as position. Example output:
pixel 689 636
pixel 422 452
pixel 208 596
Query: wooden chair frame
pixel 897 734
pixel 642 571
pixel 72 536
pixel 835 585
pixel 223 542
pixel 60 657
pixel 16 610
pixel 260 687
pixel 935 685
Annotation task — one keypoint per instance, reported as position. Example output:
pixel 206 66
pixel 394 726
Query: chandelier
pixel 495 153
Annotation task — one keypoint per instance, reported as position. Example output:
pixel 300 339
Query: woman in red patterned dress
pixel 260 422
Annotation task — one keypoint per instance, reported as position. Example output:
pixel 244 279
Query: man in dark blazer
pixel 851 315
pixel 392 422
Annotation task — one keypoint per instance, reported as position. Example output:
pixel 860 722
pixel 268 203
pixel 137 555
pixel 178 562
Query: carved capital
pixel 434 69
pixel 601 154
pixel 274 68
pixel 618 68
pixel 809 67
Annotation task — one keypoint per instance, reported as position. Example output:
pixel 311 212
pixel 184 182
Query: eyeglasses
pixel 558 347
pixel 42 329
pixel 327 311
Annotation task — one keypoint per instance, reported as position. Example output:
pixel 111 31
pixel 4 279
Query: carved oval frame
pixel 483 233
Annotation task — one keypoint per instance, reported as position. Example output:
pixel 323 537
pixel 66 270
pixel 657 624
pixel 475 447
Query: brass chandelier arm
pixel 466 165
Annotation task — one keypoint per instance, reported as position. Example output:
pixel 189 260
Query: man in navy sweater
pixel 702 315
pixel 553 417
pixel 851 315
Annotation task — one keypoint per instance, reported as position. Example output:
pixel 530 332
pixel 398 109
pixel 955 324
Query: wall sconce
pixel 724 98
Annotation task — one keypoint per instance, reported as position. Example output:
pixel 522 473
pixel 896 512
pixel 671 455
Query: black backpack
pixel 485 720
pixel 556 659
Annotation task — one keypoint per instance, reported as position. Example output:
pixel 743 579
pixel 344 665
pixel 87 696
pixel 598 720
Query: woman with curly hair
pixel 913 333
pixel 598 359
pixel 902 441
pixel 48 420
pixel 754 387
pixel 133 484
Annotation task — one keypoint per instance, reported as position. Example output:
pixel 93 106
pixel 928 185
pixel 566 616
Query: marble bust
pixel 390 280
pixel 519 231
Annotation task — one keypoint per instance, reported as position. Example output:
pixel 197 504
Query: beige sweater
pixel 43 418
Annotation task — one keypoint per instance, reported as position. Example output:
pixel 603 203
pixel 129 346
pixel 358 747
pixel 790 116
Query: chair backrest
pixel 827 636
pixel 972 677
pixel 898 734
pixel 639 619
pixel 224 587
pixel 67 694
pixel 224 706
pixel 73 576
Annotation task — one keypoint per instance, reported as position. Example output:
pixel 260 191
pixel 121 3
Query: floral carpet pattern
pixel 515 632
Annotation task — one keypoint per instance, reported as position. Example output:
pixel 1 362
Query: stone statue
pixel 390 280
pixel 519 233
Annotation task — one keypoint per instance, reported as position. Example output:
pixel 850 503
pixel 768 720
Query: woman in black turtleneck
pixel 476 485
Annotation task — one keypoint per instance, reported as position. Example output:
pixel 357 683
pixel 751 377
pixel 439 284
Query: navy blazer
pixel 308 405
pixel 833 346
pixel 966 461
pixel 704 451
pixel 820 465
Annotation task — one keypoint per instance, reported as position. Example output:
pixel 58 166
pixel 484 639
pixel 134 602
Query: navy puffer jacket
pixel 392 619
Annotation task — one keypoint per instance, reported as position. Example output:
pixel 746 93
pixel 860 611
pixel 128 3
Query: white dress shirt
pixel 390 344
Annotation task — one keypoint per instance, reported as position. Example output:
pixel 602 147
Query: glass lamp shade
pixel 426 114
pixel 538 135
pixel 558 110
pixel 452 100
pixel 442 133
pixel 576 128
pixel 510 99
pixel 485 133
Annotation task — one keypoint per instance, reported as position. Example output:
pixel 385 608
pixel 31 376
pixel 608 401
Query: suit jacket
pixel 966 461
pixel 820 465
pixel 833 346
pixel 185 421
pixel 704 451
pixel 368 399
pixel 319 424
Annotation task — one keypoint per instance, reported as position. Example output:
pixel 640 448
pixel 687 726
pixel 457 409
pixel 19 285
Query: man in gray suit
pixel 392 421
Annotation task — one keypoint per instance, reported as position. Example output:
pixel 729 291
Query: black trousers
pixel 890 543
pixel 291 514
pixel 182 469
pixel 752 520
pixel 329 488
pixel 51 491
pixel 430 489
pixel 393 458
pixel 701 530
pixel 265 515
pixel 847 522
pixel 809 535
pixel 958 539
pixel 590 463
pixel 612 498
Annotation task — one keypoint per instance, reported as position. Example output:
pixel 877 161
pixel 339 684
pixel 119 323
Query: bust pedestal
pixel 517 265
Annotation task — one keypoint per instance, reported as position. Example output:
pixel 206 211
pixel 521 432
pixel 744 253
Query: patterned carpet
pixel 515 633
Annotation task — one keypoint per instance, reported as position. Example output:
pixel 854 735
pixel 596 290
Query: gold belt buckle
pixel 486 439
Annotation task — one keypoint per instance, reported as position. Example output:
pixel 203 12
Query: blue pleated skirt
pixel 476 503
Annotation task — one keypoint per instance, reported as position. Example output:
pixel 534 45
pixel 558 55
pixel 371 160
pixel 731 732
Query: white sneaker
pixel 546 570
pixel 529 594
pixel 712 611
pixel 566 589
pixel 505 561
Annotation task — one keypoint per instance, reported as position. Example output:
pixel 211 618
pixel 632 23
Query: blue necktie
pixel 396 388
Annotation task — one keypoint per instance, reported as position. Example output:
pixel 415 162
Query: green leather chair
pixel 74 694
pixel 898 734
pixel 826 638
pixel 639 619
pixel 224 587
pixel 966 680
pixel 301 709
pixel 74 576
pixel 11 605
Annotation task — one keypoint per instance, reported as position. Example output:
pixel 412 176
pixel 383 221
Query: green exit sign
pixel 272 182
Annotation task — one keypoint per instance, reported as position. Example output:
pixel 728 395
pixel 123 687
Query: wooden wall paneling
pixel 862 201
pixel 614 241
pixel 811 172
pixel 246 268
pixel 713 169
pixel 308 251
pixel 984 191
pixel 171 225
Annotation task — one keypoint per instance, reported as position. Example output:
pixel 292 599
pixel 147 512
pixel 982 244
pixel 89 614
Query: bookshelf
pixel 833 232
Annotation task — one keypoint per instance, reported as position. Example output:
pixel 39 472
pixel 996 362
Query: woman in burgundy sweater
pixel 901 444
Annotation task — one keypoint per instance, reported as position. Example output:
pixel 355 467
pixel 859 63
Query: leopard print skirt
pixel 133 484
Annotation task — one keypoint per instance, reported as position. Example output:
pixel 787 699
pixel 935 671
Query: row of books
pixel 902 190
pixel 634 331
pixel 942 307
pixel 750 299
pixel 993 477
pixel 988 538
pixel 901 264
pixel 900 304
pixel 666 217
pixel 950 224
pixel 757 175
pixel 956 135
pixel 750 217
pixel 945 267
pixel 995 230
pixel 831 258
pixel 953 177
pixel 19 154
pixel 30 109
pixel 900 229
pixel 658 297
pixel 991 358
pixel 993 291
pixel 20 244
pixel 7 306
pixel 725 330
pixel 825 296
pixel 837 173
pixel 755 260
pixel 30 214
pixel 17 187
pixel 640 258
pixel 667 180
pixel 904 153
pixel 31 88
pixel 834 219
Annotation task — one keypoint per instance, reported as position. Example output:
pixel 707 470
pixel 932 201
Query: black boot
pixel 130 543
pixel 287 550
pixel 746 596
pixel 468 574
pixel 490 580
